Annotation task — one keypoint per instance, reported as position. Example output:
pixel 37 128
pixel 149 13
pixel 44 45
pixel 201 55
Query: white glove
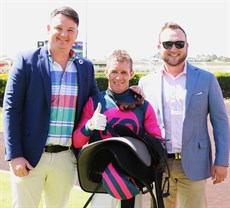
pixel 98 121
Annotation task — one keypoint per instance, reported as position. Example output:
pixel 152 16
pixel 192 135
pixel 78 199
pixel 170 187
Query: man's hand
pixel 20 166
pixel 137 90
pixel 219 173
pixel 98 121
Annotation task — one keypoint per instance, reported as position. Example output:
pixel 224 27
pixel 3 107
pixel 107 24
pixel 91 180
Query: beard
pixel 174 61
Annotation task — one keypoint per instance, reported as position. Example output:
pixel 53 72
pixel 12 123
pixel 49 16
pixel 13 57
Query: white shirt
pixel 174 94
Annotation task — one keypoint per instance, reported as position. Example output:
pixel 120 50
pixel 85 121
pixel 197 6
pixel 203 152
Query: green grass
pixel 5 195
pixel 77 197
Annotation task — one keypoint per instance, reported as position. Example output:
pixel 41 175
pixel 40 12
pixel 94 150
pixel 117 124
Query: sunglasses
pixel 128 106
pixel 169 44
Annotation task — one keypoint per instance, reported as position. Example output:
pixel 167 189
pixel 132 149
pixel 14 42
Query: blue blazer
pixel 204 98
pixel 27 103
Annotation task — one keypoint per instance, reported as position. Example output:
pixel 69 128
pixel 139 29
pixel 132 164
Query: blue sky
pixel 108 25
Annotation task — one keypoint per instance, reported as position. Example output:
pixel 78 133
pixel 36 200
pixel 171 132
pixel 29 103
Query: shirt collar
pixel 184 72
pixel 72 55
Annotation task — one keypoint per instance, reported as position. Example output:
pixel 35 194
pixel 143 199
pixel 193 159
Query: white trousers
pixel 107 201
pixel 55 174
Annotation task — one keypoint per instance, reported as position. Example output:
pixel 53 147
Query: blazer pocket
pixel 199 94
pixel 199 102
pixel 203 143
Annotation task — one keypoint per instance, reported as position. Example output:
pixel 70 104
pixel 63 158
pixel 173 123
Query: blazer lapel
pixel 159 92
pixel 80 80
pixel 192 76
pixel 45 72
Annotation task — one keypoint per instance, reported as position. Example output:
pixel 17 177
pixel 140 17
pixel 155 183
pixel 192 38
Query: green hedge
pixel 2 89
pixel 102 82
pixel 222 77
pixel 224 81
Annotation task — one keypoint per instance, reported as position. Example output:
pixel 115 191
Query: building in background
pixel 5 65
pixel 78 47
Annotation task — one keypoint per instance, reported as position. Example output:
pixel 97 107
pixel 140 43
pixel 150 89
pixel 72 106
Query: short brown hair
pixel 67 11
pixel 173 26
pixel 120 55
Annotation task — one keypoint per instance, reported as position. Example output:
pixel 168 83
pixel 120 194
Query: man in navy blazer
pixel 184 96
pixel 42 84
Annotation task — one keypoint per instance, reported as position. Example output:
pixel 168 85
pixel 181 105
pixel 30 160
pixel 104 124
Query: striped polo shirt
pixel 63 101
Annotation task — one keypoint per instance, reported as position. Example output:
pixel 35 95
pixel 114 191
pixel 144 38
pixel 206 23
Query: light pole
pixel 86 28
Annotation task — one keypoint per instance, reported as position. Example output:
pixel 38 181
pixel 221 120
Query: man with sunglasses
pixel 117 105
pixel 183 97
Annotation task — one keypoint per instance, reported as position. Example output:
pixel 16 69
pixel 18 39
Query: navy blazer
pixel 27 103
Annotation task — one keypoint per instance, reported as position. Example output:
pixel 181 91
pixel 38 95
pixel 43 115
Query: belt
pixel 176 156
pixel 56 148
